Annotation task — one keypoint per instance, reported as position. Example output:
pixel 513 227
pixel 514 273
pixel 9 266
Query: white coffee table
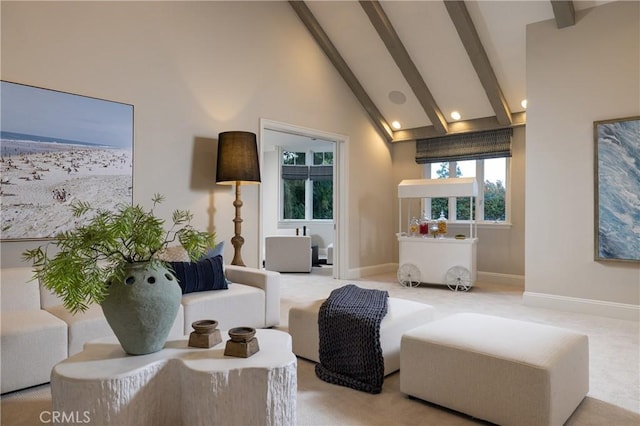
pixel 179 385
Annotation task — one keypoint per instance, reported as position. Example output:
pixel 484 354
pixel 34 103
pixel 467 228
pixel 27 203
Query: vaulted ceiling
pixel 416 62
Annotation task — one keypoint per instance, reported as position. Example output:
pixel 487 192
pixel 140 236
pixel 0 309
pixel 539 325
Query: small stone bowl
pixel 242 334
pixel 204 326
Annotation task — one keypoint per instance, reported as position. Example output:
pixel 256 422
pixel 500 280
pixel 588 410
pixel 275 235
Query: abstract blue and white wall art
pixel 617 192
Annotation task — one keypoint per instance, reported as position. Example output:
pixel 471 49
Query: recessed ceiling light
pixel 455 115
pixel 396 125
pixel 524 103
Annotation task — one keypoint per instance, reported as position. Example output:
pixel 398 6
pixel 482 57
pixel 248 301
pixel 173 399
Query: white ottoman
pixel 402 315
pixel 504 371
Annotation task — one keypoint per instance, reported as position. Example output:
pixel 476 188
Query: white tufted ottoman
pixel 505 371
pixel 402 315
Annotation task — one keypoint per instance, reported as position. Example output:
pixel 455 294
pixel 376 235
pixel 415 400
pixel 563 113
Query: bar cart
pixel 436 258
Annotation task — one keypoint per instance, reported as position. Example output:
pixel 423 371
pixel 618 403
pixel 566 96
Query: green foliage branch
pixel 91 255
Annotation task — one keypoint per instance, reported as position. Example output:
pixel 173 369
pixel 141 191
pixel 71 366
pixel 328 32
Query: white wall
pixel 270 183
pixel 575 76
pixel 192 70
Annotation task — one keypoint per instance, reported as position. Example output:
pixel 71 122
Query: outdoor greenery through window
pixel 307 187
pixel 491 203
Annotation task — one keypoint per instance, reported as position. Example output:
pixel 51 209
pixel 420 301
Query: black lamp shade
pixel 237 158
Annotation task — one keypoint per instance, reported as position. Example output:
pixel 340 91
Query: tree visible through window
pixel 311 197
pixel 495 191
pixel 323 189
pixel 293 195
pixel 293 190
pixel 490 205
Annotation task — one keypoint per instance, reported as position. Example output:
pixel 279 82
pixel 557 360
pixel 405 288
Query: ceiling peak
pixel 314 27
pixel 399 53
pixel 479 59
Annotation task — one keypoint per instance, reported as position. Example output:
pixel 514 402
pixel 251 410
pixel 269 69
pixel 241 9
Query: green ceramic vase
pixel 141 308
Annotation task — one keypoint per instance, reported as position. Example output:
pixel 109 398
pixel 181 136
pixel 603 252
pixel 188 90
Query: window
pixel 484 155
pixel 491 203
pixel 321 175
pixel 307 185
pixel 495 189
pixel 293 184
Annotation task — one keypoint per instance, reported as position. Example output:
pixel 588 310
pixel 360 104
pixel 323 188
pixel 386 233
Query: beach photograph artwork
pixel 57 148
pixel 618 189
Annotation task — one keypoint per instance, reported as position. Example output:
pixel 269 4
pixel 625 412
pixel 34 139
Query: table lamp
pixel 237 164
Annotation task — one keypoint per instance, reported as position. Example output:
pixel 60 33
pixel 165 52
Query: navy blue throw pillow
pixel 203 275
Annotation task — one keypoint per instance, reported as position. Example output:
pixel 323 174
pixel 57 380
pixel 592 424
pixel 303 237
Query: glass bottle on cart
pixel 424 226
pixel 414 227
pixel 442 225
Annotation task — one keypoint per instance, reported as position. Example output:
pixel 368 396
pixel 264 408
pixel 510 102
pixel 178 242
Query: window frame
pixel 478 208
pixel 308 185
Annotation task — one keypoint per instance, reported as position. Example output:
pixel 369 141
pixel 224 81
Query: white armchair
pixel 287 253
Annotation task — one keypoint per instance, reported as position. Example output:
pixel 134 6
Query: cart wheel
pixel 409 275
pixel 458 278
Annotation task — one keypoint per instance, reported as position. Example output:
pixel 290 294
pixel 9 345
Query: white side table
pixel 178 385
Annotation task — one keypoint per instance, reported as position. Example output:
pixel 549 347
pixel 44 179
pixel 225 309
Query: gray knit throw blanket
pixel 349 327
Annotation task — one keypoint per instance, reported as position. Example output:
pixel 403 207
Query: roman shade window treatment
pixel 321 173
pixel 465 146
pixel 315 173
pixel 295 172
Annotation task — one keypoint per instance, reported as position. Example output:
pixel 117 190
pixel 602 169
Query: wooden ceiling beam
pixel 399 53
pixel 321 37
pixel 475 50
pixel 564 13
pixel 466 126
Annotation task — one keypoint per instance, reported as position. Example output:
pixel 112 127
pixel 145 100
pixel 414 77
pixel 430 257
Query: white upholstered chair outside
pixel 287 253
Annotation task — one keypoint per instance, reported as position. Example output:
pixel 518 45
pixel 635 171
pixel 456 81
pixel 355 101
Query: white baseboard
pixel 371 270
pixel 586 306
pixel 507 279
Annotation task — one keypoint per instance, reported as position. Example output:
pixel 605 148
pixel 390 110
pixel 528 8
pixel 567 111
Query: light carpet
pixel 613 399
